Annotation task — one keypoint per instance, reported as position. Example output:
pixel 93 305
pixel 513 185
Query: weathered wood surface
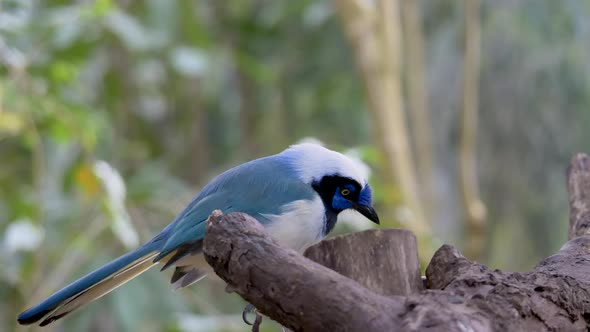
pixel 383 260
pixel 289 288
pixel 462 295
pixel 578 185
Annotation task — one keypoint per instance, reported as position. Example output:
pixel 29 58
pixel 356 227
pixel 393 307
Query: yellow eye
pixel 344 192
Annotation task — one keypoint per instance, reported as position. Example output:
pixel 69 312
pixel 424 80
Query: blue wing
pixel 258 187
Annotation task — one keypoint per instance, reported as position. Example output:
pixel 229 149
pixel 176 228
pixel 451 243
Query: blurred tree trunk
pixel 245 85
pixel 287 113
pixel 248 113
pixel 473 208
pixel 196 132
pixel 119 93
pixel 374 32
pixel 418 100
pixel 195 162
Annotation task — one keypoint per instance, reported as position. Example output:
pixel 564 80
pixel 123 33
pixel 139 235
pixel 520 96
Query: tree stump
pixel 383 260
pixel 578 185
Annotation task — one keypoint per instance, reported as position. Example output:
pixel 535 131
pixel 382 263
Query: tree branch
pixel 461 294
pixel 287 287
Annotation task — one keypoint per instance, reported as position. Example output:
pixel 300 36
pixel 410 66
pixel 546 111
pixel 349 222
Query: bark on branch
pixel 289 288
pixel 462 295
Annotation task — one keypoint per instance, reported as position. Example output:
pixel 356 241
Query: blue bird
pixel 296 194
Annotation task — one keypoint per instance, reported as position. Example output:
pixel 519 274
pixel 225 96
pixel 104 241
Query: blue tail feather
pixel 61 297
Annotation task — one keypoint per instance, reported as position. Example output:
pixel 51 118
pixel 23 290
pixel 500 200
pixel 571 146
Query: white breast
pixel 300 224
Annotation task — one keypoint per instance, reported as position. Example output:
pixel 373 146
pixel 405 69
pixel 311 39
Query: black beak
pixel 368 212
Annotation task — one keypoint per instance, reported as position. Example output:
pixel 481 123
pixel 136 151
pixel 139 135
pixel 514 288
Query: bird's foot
pixel 248 310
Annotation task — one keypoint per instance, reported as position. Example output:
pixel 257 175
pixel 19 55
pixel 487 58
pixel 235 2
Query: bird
pixel 296 195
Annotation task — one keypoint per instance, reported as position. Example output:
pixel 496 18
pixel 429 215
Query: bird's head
pixel 342 193
pixel 339 180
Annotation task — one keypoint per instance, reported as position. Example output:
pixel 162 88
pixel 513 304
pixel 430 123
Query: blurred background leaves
pixel 114 113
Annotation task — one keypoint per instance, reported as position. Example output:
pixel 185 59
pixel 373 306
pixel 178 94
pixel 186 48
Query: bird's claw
pixel 248 310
